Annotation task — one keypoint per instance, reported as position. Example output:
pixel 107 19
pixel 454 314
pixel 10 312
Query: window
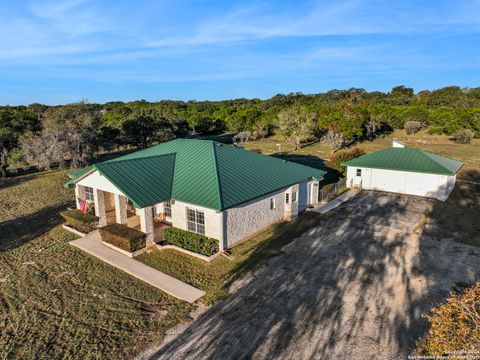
pixel 287 198
pixel 195 221
pixel 167 208
pixel 359 172
pixel 89 193
pixel 294 196
pixel 272 203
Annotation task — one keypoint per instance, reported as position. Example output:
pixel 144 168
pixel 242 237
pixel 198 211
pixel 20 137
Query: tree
pixel 464 136
pixel 143 129
pixel 413 127
pixel 294 123
pixel 12 124
pixel 69 132
pixel 337 159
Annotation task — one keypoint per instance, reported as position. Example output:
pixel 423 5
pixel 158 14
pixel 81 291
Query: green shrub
pixel 342 156
pixel 436 130
pixel 464 136
pixel 191 241
pixel 123 237
pixel 455 325
pixel 79 221
pixel 412 127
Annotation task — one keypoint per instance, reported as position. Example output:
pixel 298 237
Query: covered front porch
pixel 113 208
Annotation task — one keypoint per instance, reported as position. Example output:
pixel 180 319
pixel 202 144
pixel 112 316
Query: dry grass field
pixel 57 302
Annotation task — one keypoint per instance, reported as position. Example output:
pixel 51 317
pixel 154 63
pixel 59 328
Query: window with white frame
pixel 167 208
pixel 287 198
pixel 272 203
pixel 89 193
pixel 294 196
pixel 359 172
pixel 196 221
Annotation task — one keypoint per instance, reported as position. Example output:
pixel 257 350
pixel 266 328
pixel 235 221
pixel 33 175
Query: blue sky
pixel 61 51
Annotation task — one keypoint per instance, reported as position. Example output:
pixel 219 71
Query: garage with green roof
pixel 404 170
pixel 221 191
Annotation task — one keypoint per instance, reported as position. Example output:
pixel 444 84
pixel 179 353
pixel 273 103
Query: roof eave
pixel 446 172
pixel 73 181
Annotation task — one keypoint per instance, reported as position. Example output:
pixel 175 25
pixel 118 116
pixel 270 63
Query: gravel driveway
pixel 352 288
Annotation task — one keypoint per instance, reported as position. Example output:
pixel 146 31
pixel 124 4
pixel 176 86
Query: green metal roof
pixel 201 172
pixel 407 159
pixel 155 172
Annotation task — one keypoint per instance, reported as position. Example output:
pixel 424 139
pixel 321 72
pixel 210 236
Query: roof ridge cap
pixel 217 177
pixel 427 153
pixel 132 159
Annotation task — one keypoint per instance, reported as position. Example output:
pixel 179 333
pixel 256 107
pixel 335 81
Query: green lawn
pixel 56 301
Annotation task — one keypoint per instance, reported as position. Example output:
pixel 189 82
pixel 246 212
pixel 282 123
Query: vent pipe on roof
pixel 397 144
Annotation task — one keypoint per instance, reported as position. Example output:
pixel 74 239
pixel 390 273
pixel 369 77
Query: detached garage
pixel 404 170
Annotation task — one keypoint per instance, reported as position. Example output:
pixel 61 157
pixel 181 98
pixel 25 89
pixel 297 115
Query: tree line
pixel 75 133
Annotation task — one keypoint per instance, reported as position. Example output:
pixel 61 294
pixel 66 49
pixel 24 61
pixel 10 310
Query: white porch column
pixel 222 243
pixel 77 196
pixel 146 224
pixel 99 199
pixel 120 209
pixel 314 194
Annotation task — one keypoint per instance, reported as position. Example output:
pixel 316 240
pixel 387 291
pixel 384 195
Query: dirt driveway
pixel 352 288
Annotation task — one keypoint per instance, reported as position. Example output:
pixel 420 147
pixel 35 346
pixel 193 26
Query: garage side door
pixel 388 180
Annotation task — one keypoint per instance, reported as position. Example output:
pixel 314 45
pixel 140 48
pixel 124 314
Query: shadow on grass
pixel 331 175
pixel 354 285
pixel 459 216
pixel 18 231
pixel 13 181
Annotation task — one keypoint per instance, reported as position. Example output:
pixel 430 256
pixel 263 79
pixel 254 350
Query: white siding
pixel 213 219
pixel 97 181
pixel 403 182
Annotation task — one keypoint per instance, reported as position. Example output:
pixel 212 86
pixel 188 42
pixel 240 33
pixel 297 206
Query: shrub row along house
pixel 221 191
pixel 404 170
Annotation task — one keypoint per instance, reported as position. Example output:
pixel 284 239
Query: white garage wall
pixel 403 182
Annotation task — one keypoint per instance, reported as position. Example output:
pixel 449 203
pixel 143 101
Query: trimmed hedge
pixel 79 221
pixel 190 241
pixel 123 237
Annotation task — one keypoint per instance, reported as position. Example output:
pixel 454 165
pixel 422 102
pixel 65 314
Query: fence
pixel 331 190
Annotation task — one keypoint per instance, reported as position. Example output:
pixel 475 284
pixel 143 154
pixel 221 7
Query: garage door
pixel 388 180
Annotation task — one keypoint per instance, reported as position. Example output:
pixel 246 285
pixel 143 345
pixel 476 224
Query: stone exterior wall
pixel 245 220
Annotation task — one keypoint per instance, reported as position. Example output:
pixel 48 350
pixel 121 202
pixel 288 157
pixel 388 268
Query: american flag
pixel 83 206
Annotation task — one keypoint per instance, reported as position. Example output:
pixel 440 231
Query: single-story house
pixel 217 190
pixel 404 170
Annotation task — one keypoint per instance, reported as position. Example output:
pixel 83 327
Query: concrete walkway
pixel 92 245
pixel 322 209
